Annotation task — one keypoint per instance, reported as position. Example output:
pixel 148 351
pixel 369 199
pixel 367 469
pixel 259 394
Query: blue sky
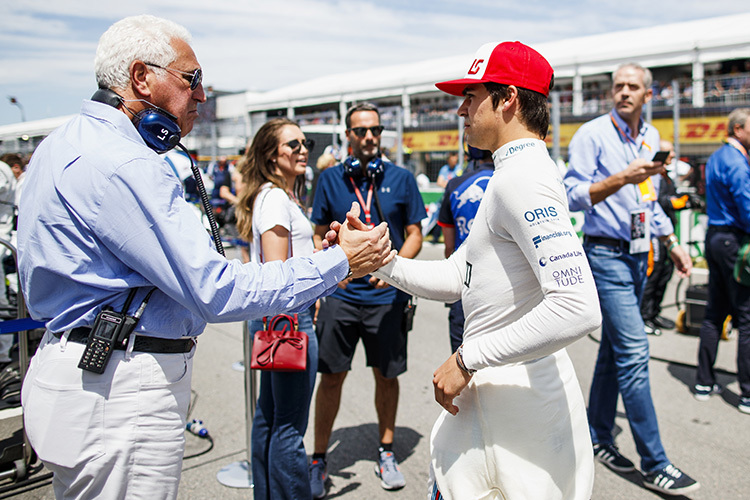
pixel 47 47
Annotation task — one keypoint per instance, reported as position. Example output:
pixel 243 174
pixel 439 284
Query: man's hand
pixel 682 261
pixel 344 283
pixel 639 170
pixel 366 249
pixel 636 172
pixel 449 380
pixel 378 283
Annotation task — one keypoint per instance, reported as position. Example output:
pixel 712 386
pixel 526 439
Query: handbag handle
pixel 275 320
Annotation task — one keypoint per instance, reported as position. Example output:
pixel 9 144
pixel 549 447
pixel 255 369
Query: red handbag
pixel 279 348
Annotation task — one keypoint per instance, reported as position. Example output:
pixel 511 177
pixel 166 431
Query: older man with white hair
pixel 105 237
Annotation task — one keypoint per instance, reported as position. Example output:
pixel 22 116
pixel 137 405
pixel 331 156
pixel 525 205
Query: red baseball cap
pixel 509 63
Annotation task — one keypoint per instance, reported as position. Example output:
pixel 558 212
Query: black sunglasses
pixel 296 145
pixel 194 78
pixel 362 131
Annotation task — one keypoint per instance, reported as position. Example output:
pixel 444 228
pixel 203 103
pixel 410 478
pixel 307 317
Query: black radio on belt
pixel 110 328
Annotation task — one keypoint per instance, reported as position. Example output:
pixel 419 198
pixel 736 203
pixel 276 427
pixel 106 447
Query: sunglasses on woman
pixel 296 145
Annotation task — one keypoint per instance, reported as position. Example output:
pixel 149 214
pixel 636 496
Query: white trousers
pixel 521 433
pixel 117 435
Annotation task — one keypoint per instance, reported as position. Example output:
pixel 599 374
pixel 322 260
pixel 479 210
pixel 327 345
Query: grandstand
pixel 701 72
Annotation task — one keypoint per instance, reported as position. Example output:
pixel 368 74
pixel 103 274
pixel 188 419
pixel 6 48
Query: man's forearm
pixel 599 191
pixel 412 244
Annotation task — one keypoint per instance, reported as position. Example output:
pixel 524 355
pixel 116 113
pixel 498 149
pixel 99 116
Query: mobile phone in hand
pixel 660 156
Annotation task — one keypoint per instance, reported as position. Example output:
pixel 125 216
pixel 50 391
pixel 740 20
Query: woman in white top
pixel 270 216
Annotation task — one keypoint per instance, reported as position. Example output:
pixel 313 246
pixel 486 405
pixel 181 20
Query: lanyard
pixel 739 147
pixel 629 144
pixel 365 206
pixel 629 140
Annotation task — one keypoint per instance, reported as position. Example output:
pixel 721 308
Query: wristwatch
pixel 671 242
pixel 460 360
pixel 349 274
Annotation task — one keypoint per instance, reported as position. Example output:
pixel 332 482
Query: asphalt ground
pixel 708 440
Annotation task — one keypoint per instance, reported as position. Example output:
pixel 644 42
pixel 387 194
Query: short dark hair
pixel 13 158
pixel 532 106
pixel 364 106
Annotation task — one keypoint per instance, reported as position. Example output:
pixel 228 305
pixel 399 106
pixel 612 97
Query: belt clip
pixel 129 348
pixel 64 339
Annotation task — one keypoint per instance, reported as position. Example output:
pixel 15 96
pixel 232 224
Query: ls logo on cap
pixel 476 66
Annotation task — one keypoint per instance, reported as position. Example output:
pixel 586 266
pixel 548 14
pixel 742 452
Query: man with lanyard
pixel 103 225
pixel 610 179
pixel 365 308
pixel 728 210
pixel 457 211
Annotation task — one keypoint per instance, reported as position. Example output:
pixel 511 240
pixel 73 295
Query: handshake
pixel 366 249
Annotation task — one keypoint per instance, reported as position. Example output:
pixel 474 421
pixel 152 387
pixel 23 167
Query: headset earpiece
pixel 157 127
pixel 353 167
pixel 375 167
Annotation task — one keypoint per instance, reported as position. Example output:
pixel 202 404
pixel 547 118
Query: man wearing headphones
pixel 114 261
pixel 364 308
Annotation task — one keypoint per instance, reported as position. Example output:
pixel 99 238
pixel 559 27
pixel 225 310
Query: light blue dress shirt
pixel 101 213
pixel 597 151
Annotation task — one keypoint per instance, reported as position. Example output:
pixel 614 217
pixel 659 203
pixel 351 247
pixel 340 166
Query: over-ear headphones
pixel 158 127
pixel 353 167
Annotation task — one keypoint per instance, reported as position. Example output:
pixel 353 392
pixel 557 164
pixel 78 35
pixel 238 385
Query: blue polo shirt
pixel 400 201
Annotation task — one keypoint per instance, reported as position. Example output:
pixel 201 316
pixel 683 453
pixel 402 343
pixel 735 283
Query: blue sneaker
pixel 318 474
pixel 609 455
pixel 671 481
pixel 387 470
pixel 744 405
pixel 704 392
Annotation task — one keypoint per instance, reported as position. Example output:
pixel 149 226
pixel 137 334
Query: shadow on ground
pixel 349 445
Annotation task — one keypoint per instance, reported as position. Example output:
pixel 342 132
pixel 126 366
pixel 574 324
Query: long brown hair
pixel 257 167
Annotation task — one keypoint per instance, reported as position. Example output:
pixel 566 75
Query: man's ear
pixel 512 97
pixel 649 95
pixel 139 78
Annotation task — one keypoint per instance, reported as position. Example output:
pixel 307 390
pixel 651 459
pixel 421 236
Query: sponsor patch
pixel 541 215
pixel 566 255
pixel 543 261
pixel 540 238
pixel 519 147
pixel 568 277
